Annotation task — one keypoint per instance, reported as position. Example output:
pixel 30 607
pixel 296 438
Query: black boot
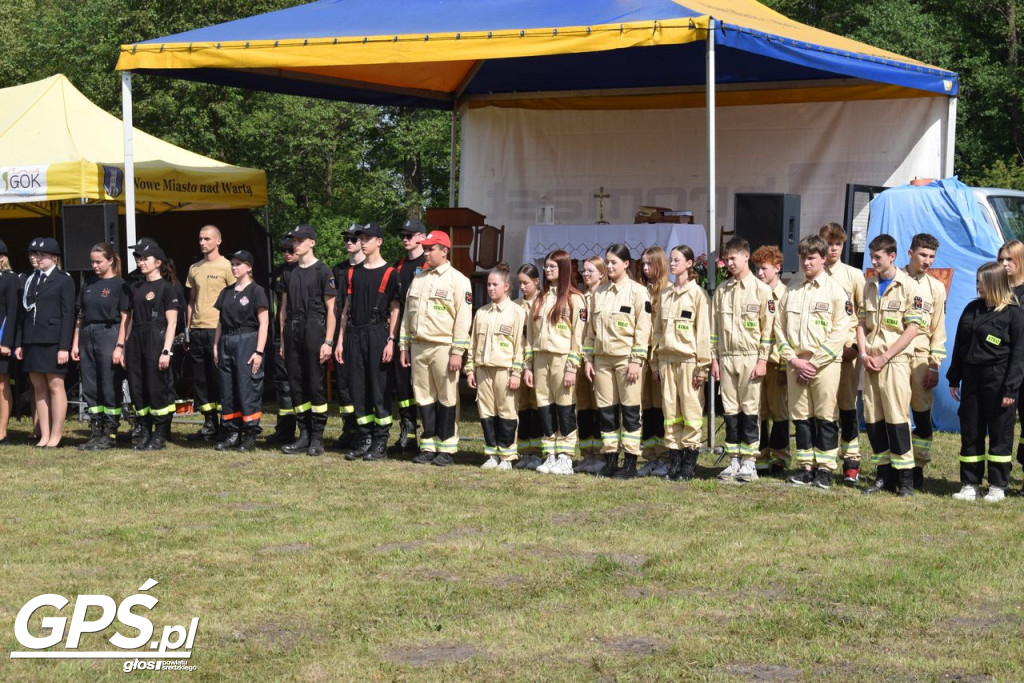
pixel 96 424
pixel 231 441
pixel 159 440
pixel 918 478
pixel 648 469
pixel 300 444
pixel 316 435
pixel 284 432
pixel 611 465
pixel 138 429
pixel 108 434
pixel 209 429
pixel 906 482
pixel 145 426
pixel 883 480
pixel 360 448
pixel 247 443
pixel 348 437
pixel 406 437
pixel 378 449
pixel 628 470
pixel 688 466
pixel 675 464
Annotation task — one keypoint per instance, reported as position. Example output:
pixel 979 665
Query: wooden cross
pixel 600 197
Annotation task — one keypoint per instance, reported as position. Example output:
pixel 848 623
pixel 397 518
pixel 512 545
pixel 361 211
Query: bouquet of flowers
pixel 701 266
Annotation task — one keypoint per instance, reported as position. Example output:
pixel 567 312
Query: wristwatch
pixel 260 354
pixel 330 343
pixel 166 352
pixel 120 346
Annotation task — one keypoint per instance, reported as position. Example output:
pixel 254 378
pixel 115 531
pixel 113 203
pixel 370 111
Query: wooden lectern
pixel 460 224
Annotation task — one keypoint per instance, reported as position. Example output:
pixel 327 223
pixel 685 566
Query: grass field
pixel 319 569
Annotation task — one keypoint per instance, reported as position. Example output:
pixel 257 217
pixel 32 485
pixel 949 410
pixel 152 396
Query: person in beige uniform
pixel 892 318
pixel 595 274
pixel 929 350
pixel 433 340
pixel 851 281
pixel 554 344
pixel 615 351
pixel 810 330
pixel 741 341
pixel 494 366
pixel 681 362
pixel 773 454
pixel 528 277
pixel 654 276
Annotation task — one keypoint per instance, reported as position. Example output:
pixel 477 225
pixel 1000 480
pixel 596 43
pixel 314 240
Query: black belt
pixel 239 330
pixel 105 323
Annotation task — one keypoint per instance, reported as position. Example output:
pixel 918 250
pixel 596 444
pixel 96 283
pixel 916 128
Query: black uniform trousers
pixel 205 386
pixel 102 381
pixel 241 390
pixel 402 380
pixel 152 388
pixel 282 386
pixel 370 381
pixel 342 390
pixel 307 375
pixel 981 414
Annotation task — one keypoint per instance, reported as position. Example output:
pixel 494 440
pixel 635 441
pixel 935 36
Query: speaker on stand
pixel 84 226
pixel 773 219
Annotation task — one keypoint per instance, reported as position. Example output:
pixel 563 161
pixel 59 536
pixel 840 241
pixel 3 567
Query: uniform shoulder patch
pixel 332 283
pixel 918 303
pixel 849 307
pixel 647 307
pixel 771 306
pixel 469 297
pixel 583 314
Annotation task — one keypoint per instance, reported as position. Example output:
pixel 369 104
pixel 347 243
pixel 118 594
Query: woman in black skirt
pixel 100 332
pixel 9 286
pixel 43 338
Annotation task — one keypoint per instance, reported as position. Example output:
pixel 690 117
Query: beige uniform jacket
pixel 620 322
pixel 777 291
pixel 742 319
pixel 564 337
pixel 497 338
pixel 682 327
pixel 438 310
pixel 851 281
pixel 886 317
pixel 931 343
pixel 811 322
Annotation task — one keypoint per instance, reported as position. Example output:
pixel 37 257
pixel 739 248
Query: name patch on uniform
pixel 771 305
pixel 505 329
pixel 849 307
pixel 821 322
pixel 821 306
pixel 622 323
pixel 505 345
pixel 686 314
pixel 993 340
pixel 561 326
pixel 583 315
pixel 625 309
pixel 892 322
pixel 753 308
pixel 441 293
pixel 440 307
pixel 927 307
pixel 750 324
pixel 892 306
pixel 683 327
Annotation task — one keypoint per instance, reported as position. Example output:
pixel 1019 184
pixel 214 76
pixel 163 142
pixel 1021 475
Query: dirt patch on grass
pixel 289 548
pixel 640 592
pixel 571 518
pixel 762 672
pixel 966 678
pixel 457 533
pixel 276 635
pixel 249 507
pixel 439 575
pixel 975 623
pixel 627 560
pixel 634 645
pixel 422 655
pixel 388 547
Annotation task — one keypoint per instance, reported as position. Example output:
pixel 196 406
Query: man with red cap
pixel 433 340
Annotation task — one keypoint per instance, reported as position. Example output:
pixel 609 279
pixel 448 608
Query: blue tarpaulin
pixel 946 209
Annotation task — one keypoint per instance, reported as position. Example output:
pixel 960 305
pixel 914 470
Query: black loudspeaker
pixel 84 226
pixel 772 219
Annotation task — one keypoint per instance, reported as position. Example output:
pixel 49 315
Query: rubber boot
pixel 628 470
pixel 284 432
pixel 145 425
pixel 159 440
pixel 209 429
pixel 688 466
pixel 611 465
pixel 906 482
pixel 883 480
pixel 302 443
pixel 247 443
pixel 675 464
pixel 230 441
pixel 96 424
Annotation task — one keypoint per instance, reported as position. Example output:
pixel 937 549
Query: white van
pixel 1003 209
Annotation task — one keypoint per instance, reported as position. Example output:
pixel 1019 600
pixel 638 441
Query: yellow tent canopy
pixel 56 146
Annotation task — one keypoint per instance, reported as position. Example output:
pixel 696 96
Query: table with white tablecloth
pixel 583 241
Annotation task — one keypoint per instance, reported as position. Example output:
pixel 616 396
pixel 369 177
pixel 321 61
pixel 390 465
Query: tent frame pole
pixel 712 235
pixel 451 153
pixel 129 165
pixel 948 156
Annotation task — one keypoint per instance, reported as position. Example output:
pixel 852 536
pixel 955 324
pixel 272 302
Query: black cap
pixel 412 225
pixel 3 247
pixel 143 241
pixel 371 230
pixel 242 255
pixel 286 243
pixel 303 231
pixel 47 245
pixel 149 249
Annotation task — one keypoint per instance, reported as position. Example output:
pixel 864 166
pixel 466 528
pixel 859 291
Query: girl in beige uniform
pixel 595 274
pixel 654 275
pixel 554 352
pixel 615 351
pixel 494 366
pixel 682 358
pixel 528 278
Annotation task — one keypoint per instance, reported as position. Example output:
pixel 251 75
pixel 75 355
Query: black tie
pixel 40 279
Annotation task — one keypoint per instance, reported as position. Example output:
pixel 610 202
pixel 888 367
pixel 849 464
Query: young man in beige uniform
pixel 929 349
pixel 773 455
pixel 810 330
pixel 433 340
pixel 892 318
pixel 743 313
pixel 851 281
pixel 206 279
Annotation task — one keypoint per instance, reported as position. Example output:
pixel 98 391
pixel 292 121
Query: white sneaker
pixel 490 464
pixel 966 492
pixel 504 465
pixel 731 471
pixel 548 464
pixel 747 472
pixel 994 495
pixel 563 465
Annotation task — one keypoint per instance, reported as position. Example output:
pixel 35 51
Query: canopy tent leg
pixel 947 165
pixel 129 165
pixel 451 153
pixel 712 235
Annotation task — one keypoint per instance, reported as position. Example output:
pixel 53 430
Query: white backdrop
pixel 516 159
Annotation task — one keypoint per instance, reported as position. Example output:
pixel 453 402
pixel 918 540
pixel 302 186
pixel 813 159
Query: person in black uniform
pixel 239 343
pixel 308 310
pixel 406 268
pixel 43 338
pixel 98 344
pixel 284 430
pixel 147 357
pixel 10 283
pixel 341 377
pixel 985 373
pixel 366 344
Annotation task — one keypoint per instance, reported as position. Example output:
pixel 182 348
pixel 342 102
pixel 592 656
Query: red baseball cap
pixel 437 237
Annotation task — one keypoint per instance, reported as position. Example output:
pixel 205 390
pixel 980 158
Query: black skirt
pixel 41 358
